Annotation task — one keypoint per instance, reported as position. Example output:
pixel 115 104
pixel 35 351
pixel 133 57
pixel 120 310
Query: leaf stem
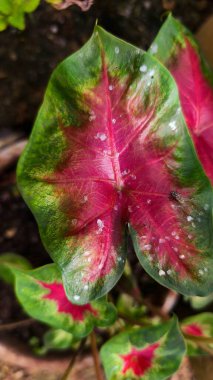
pixel 136 293
pixel 131 320
pixel 195 338
pixel 204 347
pixel 73 359
pixel 14 325
pixel 96 359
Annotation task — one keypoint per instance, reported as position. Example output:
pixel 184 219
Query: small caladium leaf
pixel 110 148
pixel 199 325
pixel 41 293
pixel 176 48
pixel 149 353
pixel 9 261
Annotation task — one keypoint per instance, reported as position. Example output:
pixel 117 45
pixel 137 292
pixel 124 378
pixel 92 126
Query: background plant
pixel 12 12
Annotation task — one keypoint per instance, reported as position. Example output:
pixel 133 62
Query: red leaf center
pixel 193 329
pixel 58 295
pixel 139 361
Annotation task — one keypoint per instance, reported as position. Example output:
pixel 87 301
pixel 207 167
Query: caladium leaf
pixel 110 148
pixel 41 293
pixel 10 260
pixel 176 48
pixel 149 353
pixel 199 325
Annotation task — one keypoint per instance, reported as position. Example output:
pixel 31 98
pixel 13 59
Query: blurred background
pixel 27 59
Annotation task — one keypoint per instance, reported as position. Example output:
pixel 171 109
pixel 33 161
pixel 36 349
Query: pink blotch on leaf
pixel 139 361
pixel 193 329
pixel 57 294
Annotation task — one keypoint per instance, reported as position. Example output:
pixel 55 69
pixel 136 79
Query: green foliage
pixel 12 12
pixel 53 340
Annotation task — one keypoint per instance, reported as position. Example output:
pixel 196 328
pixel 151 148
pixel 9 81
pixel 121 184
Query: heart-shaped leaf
pixel 41 293
pixel 149 353
pixel 110 149
pixel 176 48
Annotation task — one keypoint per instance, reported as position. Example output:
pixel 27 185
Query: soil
pixel 26 61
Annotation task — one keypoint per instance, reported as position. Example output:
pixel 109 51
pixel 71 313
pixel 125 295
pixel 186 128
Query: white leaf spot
pixel 201 272
pixel 117 50
pixel 154 48
pixel 130 209
pixel 74 222
pixel 76 297
pixel 101 136
pixel 161 272
pixel 85 199
pixel 173 125
pixel 100 223
pixel 147 247
pixel 151 73
pixel 189 218
pixel 143 68
pixel 125 172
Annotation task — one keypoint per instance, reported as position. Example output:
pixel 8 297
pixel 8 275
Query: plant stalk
pixel 95 354
pixel 72 361
pixel 14 325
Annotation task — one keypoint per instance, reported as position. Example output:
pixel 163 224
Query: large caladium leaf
pixel 176 48
pixel 41 293
pixel 110 148
pixel 149 353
